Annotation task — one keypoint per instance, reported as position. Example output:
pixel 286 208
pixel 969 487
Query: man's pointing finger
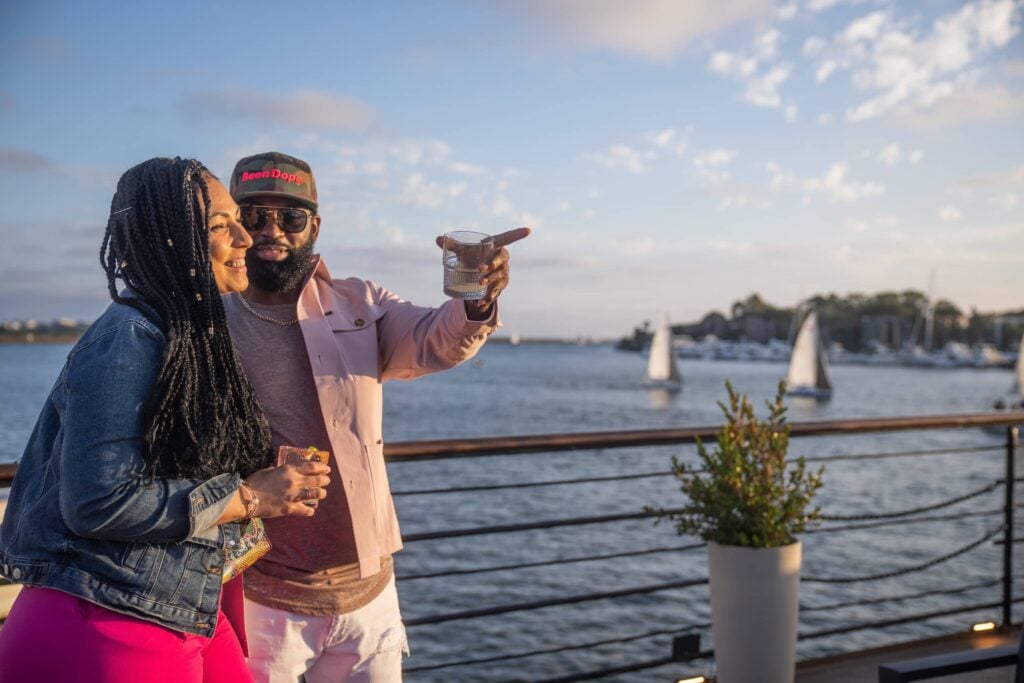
pixel 511 236
pixel 500 241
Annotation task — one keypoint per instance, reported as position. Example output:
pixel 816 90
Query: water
pixel 538 389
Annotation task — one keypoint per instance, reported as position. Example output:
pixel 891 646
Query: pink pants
pixel 54 636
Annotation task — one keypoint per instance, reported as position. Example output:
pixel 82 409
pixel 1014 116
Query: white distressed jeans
pixel 364 646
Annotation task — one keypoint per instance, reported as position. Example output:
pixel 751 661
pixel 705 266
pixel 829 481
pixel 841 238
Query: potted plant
pixel 749 504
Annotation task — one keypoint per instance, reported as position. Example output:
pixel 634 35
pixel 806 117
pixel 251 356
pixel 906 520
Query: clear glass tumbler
pixel 464 252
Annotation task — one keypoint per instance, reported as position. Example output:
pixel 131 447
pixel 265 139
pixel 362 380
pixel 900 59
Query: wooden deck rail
pixel 541 443
pixel 507 445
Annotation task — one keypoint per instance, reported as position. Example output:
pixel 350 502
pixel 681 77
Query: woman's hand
pixel 290 489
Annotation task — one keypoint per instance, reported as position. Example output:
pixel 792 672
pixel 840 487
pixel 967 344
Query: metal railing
pixel 1002 534
pixel 529 446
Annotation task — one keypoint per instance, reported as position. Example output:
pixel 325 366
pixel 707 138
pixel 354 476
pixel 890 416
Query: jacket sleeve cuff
pixel 458 307
pixel 206 505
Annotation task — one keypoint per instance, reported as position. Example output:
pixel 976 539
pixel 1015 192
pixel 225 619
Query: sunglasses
pixel 289 219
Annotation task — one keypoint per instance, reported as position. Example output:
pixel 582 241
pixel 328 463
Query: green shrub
pixel 743 492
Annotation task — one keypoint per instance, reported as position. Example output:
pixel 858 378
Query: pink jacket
pixel 357 335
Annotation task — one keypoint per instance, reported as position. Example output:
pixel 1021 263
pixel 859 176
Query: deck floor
pixel 862 667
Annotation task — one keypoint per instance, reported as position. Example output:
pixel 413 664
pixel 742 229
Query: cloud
pixel 781 180
pixel 949 214
pixel 637 159
pixel 834 184
pixel 856 225
pixel 762 87
pixel 990 103
pixel 787 11
pixel 732 65
pixel 712 163
pixel 821 5
pixel 655 29
pixel 619 156
pixel 714 158
pixel 744 247
pixel 738 200
pixel 902 72
pixel 662 138
pixel 467 169
pixel 825 70
pixel 813 47
pixel 1012 178
pixel 892 154
pixel 1006 201
pixel 423 193
pixel 668 140
pixel 23 160
pixel 764 91
pixel 310 109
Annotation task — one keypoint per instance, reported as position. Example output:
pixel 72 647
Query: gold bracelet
pixel 250 500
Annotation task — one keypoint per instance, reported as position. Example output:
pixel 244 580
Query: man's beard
pixel 280 276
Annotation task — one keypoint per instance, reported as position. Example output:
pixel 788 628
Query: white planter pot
pixel 755 598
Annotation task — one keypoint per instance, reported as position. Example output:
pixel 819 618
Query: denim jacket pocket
pixel 132 556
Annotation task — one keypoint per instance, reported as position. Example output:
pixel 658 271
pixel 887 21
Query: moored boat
pixel 808 366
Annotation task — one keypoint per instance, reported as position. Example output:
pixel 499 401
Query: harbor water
pixel 553 388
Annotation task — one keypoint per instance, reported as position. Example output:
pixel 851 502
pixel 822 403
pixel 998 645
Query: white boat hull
pixel 664 384
pixel 809 392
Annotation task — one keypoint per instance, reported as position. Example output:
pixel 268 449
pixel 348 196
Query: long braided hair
pixel 204 418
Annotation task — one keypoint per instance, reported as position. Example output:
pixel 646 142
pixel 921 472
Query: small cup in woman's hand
pixel 287 490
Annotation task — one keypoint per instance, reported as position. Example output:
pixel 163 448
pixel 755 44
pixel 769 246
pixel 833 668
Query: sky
pixel 671 156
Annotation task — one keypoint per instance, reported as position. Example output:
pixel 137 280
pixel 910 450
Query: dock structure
pixel 862 666
pixel 673 646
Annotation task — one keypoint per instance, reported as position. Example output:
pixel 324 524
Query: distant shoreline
pixel 25 340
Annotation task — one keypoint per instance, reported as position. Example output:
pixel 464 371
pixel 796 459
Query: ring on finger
pixel 311 499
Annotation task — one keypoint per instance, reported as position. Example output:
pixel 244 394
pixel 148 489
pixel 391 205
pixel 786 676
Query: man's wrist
pixel 478 313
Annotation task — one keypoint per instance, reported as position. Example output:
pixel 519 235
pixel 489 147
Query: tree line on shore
pixel 857 321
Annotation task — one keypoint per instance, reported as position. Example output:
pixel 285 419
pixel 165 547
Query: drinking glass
pixel 464 252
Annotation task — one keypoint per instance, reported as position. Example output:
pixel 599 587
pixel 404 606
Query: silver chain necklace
pixel 265 318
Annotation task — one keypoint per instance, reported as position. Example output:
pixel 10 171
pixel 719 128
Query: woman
pixel 149 451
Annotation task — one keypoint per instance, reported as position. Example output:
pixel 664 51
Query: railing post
pixel 1010 504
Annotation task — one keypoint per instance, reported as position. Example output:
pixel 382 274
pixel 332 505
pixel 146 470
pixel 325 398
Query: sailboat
pixel 662 371
pixel 1015 399
pixel 808 365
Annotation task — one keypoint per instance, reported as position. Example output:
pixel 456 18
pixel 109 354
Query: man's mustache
pixel 271 243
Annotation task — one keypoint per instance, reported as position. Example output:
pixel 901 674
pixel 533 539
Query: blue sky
pixel 671 156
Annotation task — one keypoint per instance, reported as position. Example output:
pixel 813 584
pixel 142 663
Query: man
pixel 322 603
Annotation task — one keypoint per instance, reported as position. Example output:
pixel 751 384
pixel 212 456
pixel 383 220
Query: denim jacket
pixel 82 517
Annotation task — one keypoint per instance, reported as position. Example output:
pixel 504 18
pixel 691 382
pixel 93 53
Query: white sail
pixel 808 366
pixel 661 363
